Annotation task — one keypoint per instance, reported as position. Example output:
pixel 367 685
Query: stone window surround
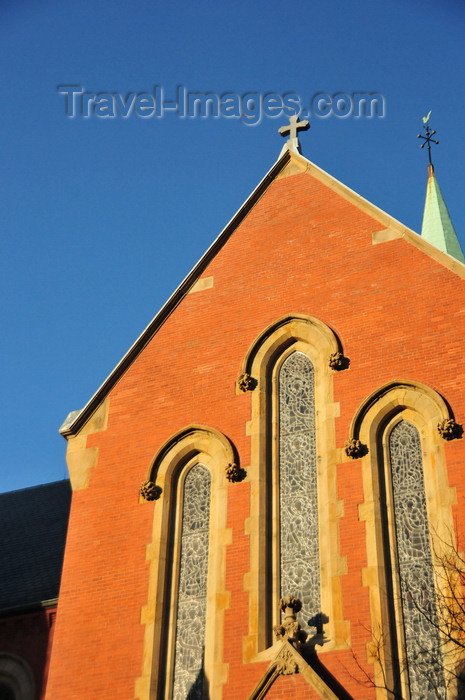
pixel 192 445
pixel 406 518
pixel 310 336
pixel 372 424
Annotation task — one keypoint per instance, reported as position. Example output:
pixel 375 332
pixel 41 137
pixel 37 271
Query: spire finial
pixel 428 139
pixel 292 130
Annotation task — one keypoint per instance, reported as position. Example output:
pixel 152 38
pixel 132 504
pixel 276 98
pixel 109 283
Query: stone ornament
pixel 290 628
pixel 450 430
pixel 286 664
pixel 235 473
pixel 292 603
pixel 150 491
pixel 338 361
pixel 246 382
pixel 355 449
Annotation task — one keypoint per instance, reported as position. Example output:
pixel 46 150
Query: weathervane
pixel 292 130
pixel 428 138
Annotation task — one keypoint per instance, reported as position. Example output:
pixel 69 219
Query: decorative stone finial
pixel 246 382
pixel 150 491
pixel 450 430
pixel 290 628
pixel 292 603
pixel 234 473
pixel 338 361
pixel 355 449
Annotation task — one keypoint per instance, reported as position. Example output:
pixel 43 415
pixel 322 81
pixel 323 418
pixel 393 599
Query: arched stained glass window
pixel 415 563
pixel 300 566
pixel 192 588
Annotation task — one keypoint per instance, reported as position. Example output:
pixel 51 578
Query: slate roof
pixel 33 525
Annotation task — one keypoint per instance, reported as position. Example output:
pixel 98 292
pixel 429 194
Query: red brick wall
pixel 303 249
pixel 290 687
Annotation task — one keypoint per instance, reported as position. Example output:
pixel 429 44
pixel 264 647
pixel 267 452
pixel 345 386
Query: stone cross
pixel 291 130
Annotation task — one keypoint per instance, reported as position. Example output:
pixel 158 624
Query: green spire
pixel 437 226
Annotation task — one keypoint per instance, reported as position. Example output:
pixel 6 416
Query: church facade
pixel 268 490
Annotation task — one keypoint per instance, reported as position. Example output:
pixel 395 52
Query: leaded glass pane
pixel 300 567
pixel 192 594
pixel 415 563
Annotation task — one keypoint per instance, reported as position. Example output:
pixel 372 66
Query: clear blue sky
pixel 102 218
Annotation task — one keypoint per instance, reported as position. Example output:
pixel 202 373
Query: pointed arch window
pixel 412 562
pixel 298 492
pixel 410 531
pixel 294 544
pixel 192 585
pixel 186 597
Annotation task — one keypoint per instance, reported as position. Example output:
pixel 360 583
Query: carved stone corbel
pixel 150 491
pixel 235 473
pixel 448 429
pixel 246 382
pixel 355 449
pixel 338 361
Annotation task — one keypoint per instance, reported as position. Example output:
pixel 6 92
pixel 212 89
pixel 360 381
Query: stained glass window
pixel 192 591
pixel 415 564
pixel 300 567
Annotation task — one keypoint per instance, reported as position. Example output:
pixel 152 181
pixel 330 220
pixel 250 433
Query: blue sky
pixel 102 218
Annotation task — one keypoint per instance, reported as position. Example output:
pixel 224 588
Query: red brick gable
pixel 302 248
pixel 387 229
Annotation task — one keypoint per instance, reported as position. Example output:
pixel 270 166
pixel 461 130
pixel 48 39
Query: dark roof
pixel 33 525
